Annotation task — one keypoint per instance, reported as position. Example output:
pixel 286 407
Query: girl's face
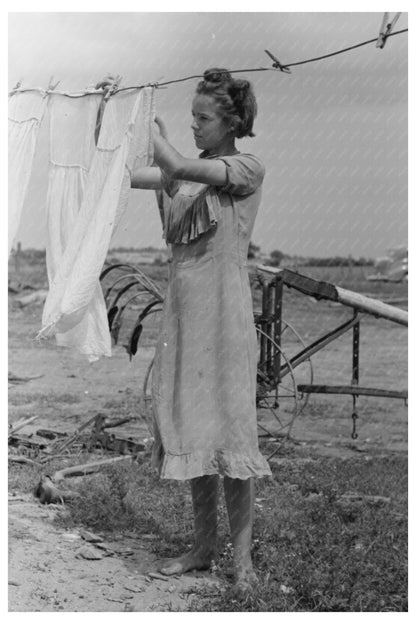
pixel 211 132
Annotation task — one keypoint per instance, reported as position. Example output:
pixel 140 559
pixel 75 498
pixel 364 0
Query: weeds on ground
pixel 314 548
pixel 131 498
pixel 51 399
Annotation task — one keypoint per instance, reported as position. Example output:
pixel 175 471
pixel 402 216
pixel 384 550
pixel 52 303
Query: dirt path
pixel 48 572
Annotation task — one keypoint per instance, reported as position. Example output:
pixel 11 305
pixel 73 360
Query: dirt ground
pixel 48 573
pixel 46 570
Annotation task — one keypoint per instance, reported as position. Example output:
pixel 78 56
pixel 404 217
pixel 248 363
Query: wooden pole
pixel 372 306
pixel 325 290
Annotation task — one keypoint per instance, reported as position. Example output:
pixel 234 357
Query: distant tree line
pixel 336 261
pixel 136 249
pixel 276 258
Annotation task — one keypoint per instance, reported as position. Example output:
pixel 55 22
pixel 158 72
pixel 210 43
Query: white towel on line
pixel 75 293
pixel 26 111
pixel 72 146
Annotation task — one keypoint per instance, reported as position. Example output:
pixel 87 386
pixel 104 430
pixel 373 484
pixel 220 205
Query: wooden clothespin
pixel 386 28
pixel 17 86
pixel 113 87
pixel 155 83
pixel 277 64
pixel 51 85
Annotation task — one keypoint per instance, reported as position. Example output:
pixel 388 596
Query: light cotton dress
pixel 204 377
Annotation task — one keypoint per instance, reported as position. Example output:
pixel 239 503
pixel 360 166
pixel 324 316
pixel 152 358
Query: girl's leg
pixel 204 499
pixel 239 496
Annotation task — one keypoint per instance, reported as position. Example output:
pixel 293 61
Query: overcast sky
pixel 332 134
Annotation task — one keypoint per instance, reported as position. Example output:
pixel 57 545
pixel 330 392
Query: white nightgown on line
pixel 124 143
pixel 26 111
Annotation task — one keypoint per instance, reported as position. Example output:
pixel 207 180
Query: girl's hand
pixel 161 127
pixel 157 137
pixel 106 83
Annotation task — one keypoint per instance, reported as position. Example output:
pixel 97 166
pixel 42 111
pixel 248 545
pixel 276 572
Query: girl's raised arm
pixel 213 172
pixel 146 178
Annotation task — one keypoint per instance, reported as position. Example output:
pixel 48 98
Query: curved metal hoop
pixel 302 399
pixel 269 400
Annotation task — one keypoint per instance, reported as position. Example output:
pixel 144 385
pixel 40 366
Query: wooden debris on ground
pixel 60 442
pixel 103 439
pixel 356 497
pixel 22 459
pixel 84 469
pixel 47 492
pixel 20 424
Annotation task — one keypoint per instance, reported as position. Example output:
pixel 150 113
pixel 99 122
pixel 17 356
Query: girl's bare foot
pixel 194 560
pixel 246 581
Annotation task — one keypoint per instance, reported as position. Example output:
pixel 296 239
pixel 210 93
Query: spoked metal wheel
pixel 277 401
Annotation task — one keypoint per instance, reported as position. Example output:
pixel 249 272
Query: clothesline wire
pixel 280 67
pixel 357 45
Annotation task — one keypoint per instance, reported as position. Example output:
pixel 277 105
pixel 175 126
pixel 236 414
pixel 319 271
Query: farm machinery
pixel 285 375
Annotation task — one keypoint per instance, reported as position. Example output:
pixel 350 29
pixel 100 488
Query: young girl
pixel 204 377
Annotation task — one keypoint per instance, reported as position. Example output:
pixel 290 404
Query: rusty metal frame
pixel 270 322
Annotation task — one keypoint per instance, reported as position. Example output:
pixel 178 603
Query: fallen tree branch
pixel 22 423
pixel 21 459
pixel 49 458
pixel 84 469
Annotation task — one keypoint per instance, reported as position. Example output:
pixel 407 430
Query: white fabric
pixel 25 114
pixel 72 146
pixel 124 143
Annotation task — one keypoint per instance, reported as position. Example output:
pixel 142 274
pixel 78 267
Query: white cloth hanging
pixel 125 143
pixel 25 115
pixel 72 146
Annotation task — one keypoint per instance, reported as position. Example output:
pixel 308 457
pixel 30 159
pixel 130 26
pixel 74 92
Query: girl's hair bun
pixel 217 75
pixel 239 89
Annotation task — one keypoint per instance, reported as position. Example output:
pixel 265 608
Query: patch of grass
pixel 313 549
pixel 44 400
pixel 123 405
pixel 132 498
pixel 314 552
pixel 25 477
